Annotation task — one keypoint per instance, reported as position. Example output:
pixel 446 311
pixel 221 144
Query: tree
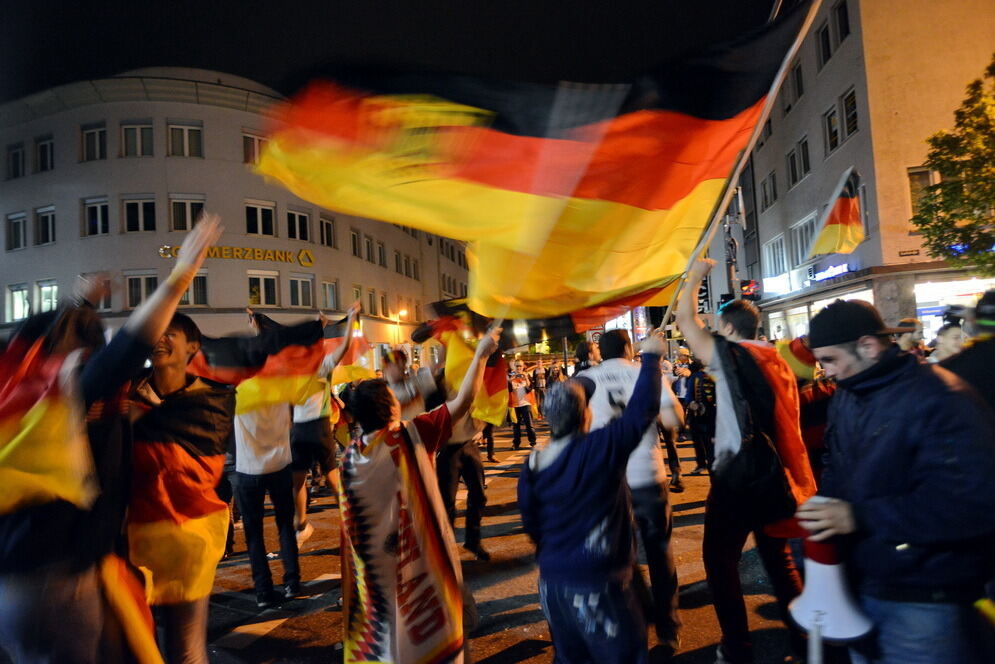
pixel 957 215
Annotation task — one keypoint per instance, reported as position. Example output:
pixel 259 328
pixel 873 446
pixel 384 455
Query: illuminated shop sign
pixel 830 272
pixel 304 257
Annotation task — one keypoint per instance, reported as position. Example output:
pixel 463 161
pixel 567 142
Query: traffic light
pixel 704 300
pixel 749 289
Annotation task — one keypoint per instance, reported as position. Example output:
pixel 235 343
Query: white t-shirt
pixel 319 404
pixel 262 440
pixel 615 380
pixel 728 437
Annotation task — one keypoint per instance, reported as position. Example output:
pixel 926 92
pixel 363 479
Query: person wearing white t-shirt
pixel 614 380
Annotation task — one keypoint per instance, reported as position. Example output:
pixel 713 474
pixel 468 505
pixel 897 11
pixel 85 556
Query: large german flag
pixel 572 196
pixel 841 229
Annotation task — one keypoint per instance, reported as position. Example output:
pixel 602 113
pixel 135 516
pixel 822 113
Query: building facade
pixel 873 80
pixel 110 174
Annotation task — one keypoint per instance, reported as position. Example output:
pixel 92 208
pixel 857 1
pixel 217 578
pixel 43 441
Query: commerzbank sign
pixel 304 257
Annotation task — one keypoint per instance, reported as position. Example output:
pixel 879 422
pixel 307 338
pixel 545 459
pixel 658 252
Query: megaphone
pixel 826 609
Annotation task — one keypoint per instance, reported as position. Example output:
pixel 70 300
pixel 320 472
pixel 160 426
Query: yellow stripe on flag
pixel 179 559
pixel 262 391
pixel 838 239
pixel 487 407
pixel 45 456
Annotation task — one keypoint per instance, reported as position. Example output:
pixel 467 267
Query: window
pixel 196 295
pixel 418 311
pixel 138 288
pixel 798 163
pixel 262 288
pixel 773 257
pixel 371 300
pixel 397 263
pixel 15 161
pixel 849 105
pixel 842 17
pixel 831 130
pixel 920 177
pixel 824 44
pixel 801 239
pixel 357 250
pixel 794 88
pixel 136 140
pixel 381 254
pixel 793 171
pixel 407 266
pixel 16 231
pixel 384 311
pixel 48 295
pixel 44 154
pixel 414 270
pixel 298 226
pixel 252 148
pixel 139 216
pixel 357 293
pixel 368 243
pixel 95 217
pixel 327 231
pixel 105 302
pixel 185 141
pixel 94 142
pixel 462 287
pixel 330 294
pixel 768 191
pixel 45 225
pixel 802 149
pixel 259 219
pixel 184 213
pixel 765 134
pixel 301 289
pixel 18 304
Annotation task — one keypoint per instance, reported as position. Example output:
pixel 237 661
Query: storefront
pixel 933 298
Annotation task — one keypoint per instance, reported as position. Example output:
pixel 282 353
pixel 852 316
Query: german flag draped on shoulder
pixel 572 196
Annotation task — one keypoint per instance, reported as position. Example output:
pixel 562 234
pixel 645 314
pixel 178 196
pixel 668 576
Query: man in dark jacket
pixel 911 461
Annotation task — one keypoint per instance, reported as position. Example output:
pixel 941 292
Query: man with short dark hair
pixel 615 380
pixel 756 401
pixel 909 477
pixel 576 508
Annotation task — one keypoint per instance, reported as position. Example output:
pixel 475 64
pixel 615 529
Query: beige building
pixel 873 79
pixel 109 174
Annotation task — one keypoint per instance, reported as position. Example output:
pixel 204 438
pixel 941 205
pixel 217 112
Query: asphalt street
pixel 512 627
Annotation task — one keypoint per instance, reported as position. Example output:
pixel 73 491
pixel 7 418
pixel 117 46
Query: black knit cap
pixel 844 321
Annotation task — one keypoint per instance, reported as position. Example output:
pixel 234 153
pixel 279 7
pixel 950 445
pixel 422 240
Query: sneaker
pixel 267 600
pixel 304 533
pixel 676 486
pixel 291 590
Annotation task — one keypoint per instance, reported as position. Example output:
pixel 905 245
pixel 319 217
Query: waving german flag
pixel 573 196
pixel 841 229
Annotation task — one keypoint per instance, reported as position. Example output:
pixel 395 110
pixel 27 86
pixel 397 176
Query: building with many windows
pixel 109 175
pixel 873 79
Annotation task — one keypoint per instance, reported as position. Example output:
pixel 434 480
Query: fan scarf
pixel 401 572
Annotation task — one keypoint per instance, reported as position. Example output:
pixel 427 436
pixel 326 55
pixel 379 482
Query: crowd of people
pixel 856 435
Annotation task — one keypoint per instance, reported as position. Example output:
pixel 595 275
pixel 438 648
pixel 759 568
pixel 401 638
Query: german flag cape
pixel 176 522
pixel 572 196
pixel 44 452
pixel 841 229
pixel 401 573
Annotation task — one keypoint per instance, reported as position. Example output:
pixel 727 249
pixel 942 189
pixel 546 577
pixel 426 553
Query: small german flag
pixel 842 229
pixel 573 196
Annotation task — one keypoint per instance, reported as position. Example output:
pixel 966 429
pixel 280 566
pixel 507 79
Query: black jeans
pixel 250 492
pixel 489 439
pixel 670 442
pixel 726 530
pixel 702 433
pixel 523 417
pixel 651 507
pixel 463 459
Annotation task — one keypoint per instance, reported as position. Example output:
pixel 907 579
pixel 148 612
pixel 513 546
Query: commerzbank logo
pixel 304 257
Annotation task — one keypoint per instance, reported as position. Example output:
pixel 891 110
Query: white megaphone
pixel 826 609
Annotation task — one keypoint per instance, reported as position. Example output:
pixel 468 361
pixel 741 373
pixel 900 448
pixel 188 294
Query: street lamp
pixel 397 323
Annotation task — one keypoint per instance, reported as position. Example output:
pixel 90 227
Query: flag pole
pixel 708 234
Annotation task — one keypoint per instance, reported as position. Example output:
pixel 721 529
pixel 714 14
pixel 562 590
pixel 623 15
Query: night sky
pixel 44 43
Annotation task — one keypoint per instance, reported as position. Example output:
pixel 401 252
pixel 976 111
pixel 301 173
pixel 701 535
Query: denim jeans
pixel 603 625
pixel 250 492
pixel 921 633
pixel 182 631
pixel 651 507
pixel 523 417
pixel 463 459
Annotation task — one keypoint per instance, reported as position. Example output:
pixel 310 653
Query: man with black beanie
pixel 911 456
